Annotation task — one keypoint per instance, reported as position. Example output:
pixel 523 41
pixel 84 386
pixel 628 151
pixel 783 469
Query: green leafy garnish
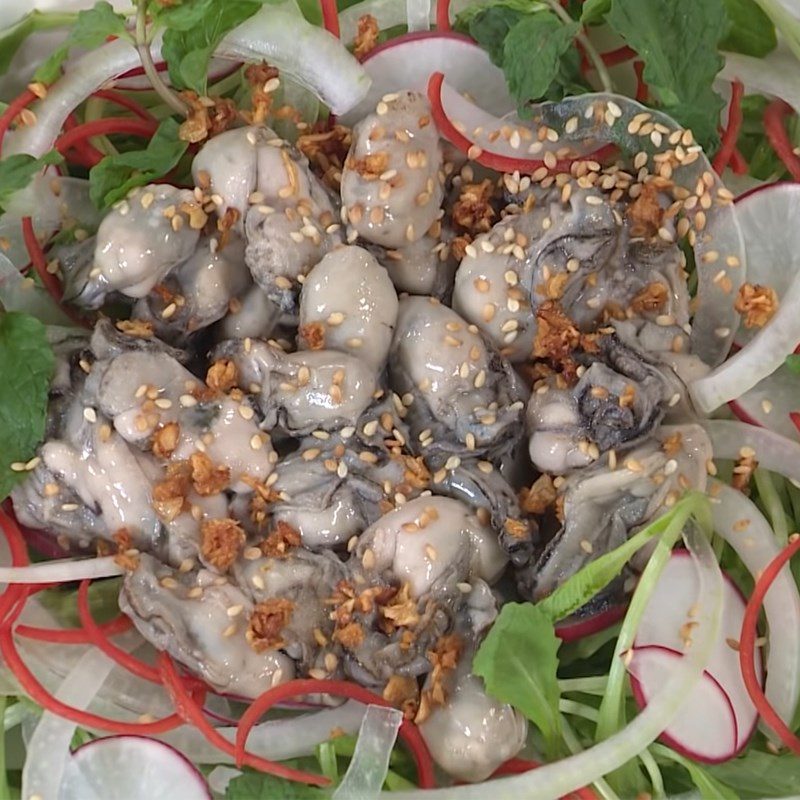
pixel 756 774
pixel 253 785
pixel 678 42
pixel 751 31
pixel 26 364
pixel 18 170
pixel 12 37
pixel 193 31
pixel 518 662
pixel 793 363
pixel 91 29
pixel 532 55
pixel 593 11
pixel 115 176
pixel 706 783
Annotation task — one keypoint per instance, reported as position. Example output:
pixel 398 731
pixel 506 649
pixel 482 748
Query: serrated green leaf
pixel 678 42
pixel 91 29
pixel 26 364
pixel 115 176
pixel 518 661
pixel 18 170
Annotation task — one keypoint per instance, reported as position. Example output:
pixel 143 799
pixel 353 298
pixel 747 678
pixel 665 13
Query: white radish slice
pixel 63 570
pixel 767 216
pixel 771 403
pixel 668 620
pixel 408 61
pixel 131 768
pixel 705 727
pixel 768 220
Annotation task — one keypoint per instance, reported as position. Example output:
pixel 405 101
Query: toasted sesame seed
pixel 89 414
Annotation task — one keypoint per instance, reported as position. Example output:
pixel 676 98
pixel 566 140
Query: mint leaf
pixel 757 774
pixel 594 10
pixel 26 364
pixel 678 42
pixel 12 37
pixel 793 363
pixel 17 171
pixel 518 662
pixel 194 29
pixel 91 29
pixel 253 785
pixel 752 31
pixel 490 28
pixel 115 176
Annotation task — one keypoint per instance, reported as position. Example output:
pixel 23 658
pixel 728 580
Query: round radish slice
pixel 408 61
pixel 576 627
pixel 772 403
pixel 131 768
pixel 667 622
pixel 768 219
pixel 705 727
pixel 136 81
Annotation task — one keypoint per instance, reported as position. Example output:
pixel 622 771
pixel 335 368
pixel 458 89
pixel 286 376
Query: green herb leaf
pixel 26 364
pixel 678 42
pixel 793 363
pixel 518 662
pixel 115 176
pixel 532 54
pixel 594 11
pixel 752 31
pixel 757 774
pixel 17 171
pixel 253 785
pixel 490 28
pixel 193 32
pixel 706 784
pixel 13 36
pixel 91 29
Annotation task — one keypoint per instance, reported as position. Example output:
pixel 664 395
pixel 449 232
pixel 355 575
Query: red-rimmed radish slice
pixel 131 768
pixel 705 727
pixel 407 62
pixel 767 216
pixel 768 219
pixel 667 622
pixel 772 403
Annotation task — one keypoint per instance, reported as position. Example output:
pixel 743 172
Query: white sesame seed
pixel 89 414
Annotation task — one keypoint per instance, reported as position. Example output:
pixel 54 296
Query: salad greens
pixel 18 170
pixel 26 364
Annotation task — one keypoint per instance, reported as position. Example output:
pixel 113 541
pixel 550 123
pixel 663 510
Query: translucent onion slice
pixel 48 748
pixel 310 55
pixel 592 121
pixel 62 570
pixel 768 220
pixel 370 763
pixel 744 528
pixel 552 781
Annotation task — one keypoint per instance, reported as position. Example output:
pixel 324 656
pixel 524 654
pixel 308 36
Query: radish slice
pixel 408 61
pixel 664 624
pixel 767 217
pixel 63 570
pixel 136 81
pixel 308 54
pixel 131 768
pixel 571 630
pixel 771 403
pixel 705 727
pixel 745 529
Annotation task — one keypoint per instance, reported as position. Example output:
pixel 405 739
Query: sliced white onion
pixel 756 546
pixel 771 402
pixel 278 739
pixel 775 74
pixel 406 62
pixel 767 217
pixel 48 749
pixel 131 768
pixel 551 781
pixel 418 15
pixel 370 763
pixel 773 451
pixel 62 570
pixel 310 55
pixel 18 293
